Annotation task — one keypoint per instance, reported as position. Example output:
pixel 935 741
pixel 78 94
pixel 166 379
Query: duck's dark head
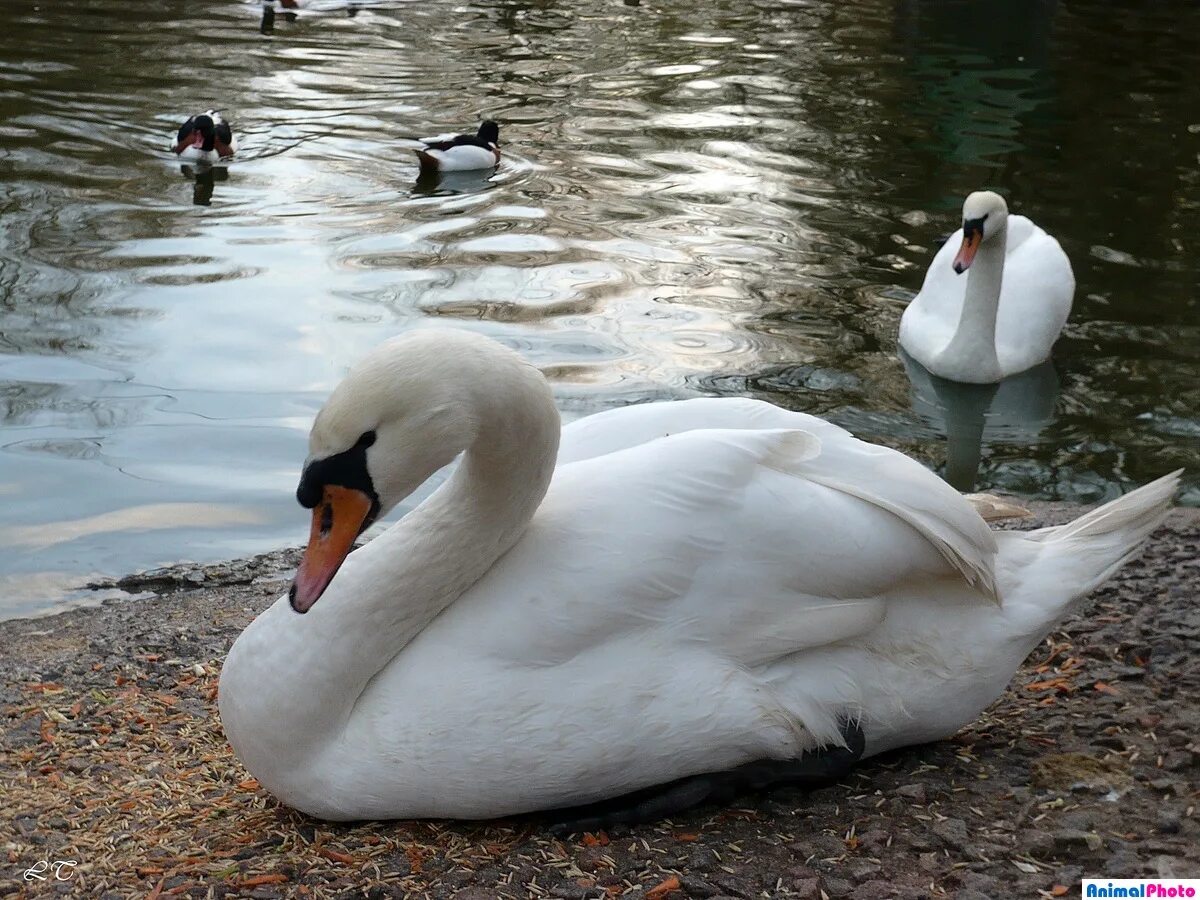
pixel 489 133
pixel 198 131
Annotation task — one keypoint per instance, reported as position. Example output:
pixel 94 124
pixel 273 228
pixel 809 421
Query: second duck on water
pixel 205 138
pixel 463 152
pixel 1005 316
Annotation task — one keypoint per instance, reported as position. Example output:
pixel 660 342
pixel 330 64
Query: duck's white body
pixel 1000 318
pixel 705 583
pixel 464 158
pixel 208 157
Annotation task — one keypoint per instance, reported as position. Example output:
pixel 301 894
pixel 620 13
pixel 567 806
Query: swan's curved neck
pixel 392 588
pixel 972 350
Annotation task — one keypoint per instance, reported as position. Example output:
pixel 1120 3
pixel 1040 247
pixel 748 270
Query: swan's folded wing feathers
pixel 628 426
pixel 893 482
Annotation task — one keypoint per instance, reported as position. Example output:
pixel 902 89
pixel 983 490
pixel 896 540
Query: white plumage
pixel 703 584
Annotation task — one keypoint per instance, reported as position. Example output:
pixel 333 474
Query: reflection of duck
pixel 463 152
pixel 1007 314
pixel 680 588
pixel 205 138
pixel 1014 410
pixel 205 178
pixel 467 182
pixel 289 7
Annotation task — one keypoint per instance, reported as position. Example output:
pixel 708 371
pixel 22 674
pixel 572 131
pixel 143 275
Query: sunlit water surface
pixel 707 197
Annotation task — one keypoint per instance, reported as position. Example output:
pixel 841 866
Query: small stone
pixel 1123 864
pixel 913 792
pixel 1037 844
pixel 971 894
pixel 1070 839
pixel 1177 761
pixel 1069 875
pixel 880 890
pixel 874 839
pixel 475 893
pixel 1167 823
pixel 807 889
pixel 698 887
pixel 862 870
pixel 952 832
pixel 929 862
pixel 838 887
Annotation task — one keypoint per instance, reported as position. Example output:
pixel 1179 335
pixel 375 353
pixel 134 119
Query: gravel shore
pixel 111 756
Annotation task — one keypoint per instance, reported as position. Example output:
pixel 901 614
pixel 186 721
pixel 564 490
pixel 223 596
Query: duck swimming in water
pixel 206 138
pixel 463 152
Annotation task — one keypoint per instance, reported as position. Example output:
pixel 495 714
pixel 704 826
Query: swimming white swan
pixel 1005 316
pixel 681 588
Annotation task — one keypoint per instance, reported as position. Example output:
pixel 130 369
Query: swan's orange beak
pixel 971 240
pixel 336 522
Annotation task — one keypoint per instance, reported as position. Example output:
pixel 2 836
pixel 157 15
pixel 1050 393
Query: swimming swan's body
pixel 679 588
pixel 1006 314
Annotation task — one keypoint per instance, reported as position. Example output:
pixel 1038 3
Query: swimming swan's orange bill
pixel 336 522
pixel 966 253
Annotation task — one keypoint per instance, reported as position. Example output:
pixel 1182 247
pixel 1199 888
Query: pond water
pixel 705 197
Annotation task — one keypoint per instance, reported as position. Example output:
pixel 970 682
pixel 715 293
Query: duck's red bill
pixel 336 522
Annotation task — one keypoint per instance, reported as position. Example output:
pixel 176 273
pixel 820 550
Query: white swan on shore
pixel 1005 316
pixel 681 588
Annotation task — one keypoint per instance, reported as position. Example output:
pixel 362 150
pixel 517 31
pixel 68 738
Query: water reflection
pixel 1014 411
pixel 204 178
pixel 447 183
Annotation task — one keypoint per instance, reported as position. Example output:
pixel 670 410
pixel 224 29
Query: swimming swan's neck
pixel 972 350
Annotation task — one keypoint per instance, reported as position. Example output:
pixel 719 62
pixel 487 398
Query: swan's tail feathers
pixel 1111 535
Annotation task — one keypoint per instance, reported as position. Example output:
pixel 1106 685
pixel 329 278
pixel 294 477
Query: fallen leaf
pixel 250 784
pixel 663 888
pixel 1059 890
pixel 336 856
pixel 1105 688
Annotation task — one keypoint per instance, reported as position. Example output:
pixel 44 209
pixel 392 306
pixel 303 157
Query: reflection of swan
pixel 1006 315
pixel 462 152
pixel 205 178
pixel 680 588
pixel 1014 410
pixel 206 138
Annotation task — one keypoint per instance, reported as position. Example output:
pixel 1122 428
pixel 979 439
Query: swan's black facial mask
pixel 347 469
pixel 339 491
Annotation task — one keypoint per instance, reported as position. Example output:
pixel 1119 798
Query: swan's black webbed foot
pixel 812 770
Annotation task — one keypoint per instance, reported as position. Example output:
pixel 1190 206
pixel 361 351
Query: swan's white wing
pixel 635 632
pixel 1035 297
pixel 627 426
pixel 883 477
pixel 929 320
